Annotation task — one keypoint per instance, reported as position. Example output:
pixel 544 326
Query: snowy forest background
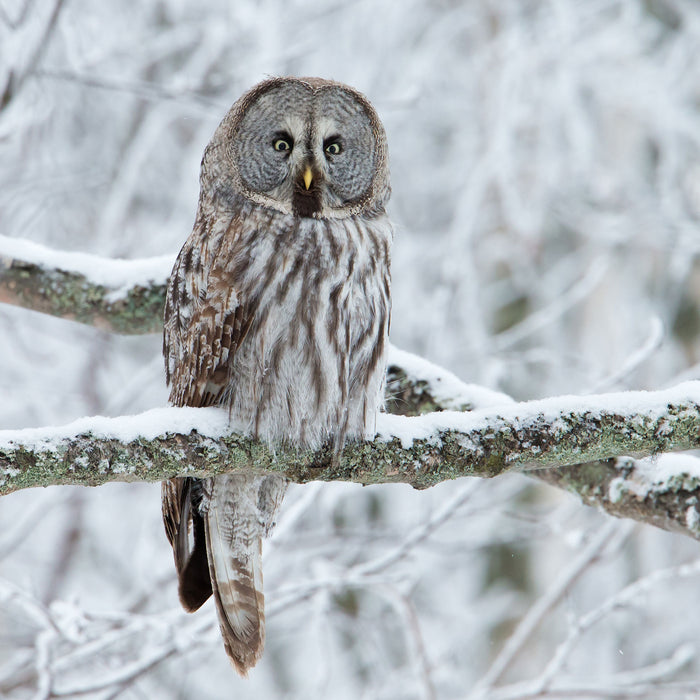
pixel 545 161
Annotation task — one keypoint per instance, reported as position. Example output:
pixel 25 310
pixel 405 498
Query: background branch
pixel 121 296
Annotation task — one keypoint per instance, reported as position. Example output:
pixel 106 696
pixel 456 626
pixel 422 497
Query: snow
pixel 213 422
pixel 658 473
pixel 410 428
pixel 629 404
pixel 663 468
pixel 448 389
pixel 620 486
pixel 210 422
pixel 119 275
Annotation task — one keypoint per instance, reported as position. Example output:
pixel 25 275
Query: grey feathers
pixel 278 310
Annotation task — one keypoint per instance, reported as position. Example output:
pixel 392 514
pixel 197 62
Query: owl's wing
pixel 205 318
pixel 205 321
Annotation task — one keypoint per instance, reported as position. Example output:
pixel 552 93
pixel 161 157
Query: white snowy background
pixel 545 161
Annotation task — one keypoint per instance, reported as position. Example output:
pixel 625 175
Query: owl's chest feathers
pixel 317 296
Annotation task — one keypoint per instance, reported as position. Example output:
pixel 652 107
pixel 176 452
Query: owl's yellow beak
pixel 308 177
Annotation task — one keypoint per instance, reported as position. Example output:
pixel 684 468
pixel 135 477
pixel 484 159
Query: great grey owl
pixel 278 310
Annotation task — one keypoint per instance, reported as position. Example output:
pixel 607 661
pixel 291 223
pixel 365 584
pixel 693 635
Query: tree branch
pixel 121 296
pixel 420 451
pixel 588 434
pixel 661 491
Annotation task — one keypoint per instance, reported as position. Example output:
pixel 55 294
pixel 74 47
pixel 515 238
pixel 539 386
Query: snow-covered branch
pixel 122 296
pixel 420 451
pixel 446 429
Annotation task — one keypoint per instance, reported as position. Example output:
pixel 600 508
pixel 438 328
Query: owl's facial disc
pixel 310 152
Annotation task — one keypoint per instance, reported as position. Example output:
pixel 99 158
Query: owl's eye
pixel 282 145
pixel 334 148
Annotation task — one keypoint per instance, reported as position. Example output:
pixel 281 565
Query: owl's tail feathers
pixel 185 529
pixel 194 583
pixel 235 567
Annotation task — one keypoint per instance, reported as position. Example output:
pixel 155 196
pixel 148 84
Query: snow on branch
pixel 421 450
pixel 661 490
pixel 122 296
pixel 446 429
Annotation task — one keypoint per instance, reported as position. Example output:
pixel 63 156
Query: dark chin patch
pixel 305 202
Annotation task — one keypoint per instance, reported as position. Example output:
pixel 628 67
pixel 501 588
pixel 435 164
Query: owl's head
pixel 304 146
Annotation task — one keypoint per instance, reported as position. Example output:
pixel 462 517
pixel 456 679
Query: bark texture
pixel 496 441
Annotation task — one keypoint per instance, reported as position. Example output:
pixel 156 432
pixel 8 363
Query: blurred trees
pixel 546 178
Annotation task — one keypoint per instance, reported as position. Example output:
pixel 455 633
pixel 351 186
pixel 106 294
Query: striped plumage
pixel 277 309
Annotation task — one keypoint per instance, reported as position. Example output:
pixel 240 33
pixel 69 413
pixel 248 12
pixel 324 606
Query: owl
pixel 277 310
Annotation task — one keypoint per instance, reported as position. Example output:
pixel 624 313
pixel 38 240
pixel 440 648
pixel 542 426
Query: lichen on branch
pixel 420 451
pixel 119 296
